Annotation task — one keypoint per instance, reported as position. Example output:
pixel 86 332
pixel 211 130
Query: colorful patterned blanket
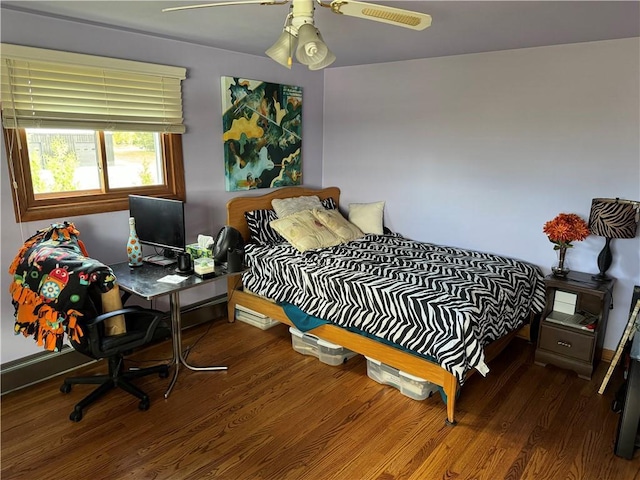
pixel 52 274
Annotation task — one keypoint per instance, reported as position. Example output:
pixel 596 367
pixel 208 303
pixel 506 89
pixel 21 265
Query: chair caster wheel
pixel 76 416
pixel 164 373
pixel 144 404
pixel 65 387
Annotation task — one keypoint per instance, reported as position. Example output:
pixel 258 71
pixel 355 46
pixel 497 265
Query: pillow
pixel 259 228
pixel 288 206
pixel 367 216
pixel 329 203
pixel 304 231
pixel 334 221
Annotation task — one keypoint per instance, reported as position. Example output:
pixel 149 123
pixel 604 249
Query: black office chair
pixel 142 326
pixel 57 287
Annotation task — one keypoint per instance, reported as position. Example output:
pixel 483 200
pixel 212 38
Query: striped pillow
pixel 329 203
pixel 259 229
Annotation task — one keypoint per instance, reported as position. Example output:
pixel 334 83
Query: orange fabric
pixel 82 248
pixel 73 329
pixel 41 272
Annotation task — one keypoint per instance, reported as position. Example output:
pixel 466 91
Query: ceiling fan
pixel 299 26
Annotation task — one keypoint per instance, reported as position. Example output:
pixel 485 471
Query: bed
pixel 399 336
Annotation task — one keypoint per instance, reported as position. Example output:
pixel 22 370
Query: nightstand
pixel 564 343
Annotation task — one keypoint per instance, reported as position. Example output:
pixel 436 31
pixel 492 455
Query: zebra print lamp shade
pixel 612 218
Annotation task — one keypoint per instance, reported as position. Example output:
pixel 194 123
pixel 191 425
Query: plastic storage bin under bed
pixel 256 319
pixel 327 352
pixel 410 386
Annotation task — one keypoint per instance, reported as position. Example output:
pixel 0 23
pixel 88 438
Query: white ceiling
pixel 458 27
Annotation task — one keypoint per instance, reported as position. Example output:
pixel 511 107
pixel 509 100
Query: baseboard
pixel 205 311
pixel 44 365
pixel 607 355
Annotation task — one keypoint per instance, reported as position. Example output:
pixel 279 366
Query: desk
pixel 143 282
pixel 630 416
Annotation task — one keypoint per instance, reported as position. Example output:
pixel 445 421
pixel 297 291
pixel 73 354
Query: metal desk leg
pixel 176 340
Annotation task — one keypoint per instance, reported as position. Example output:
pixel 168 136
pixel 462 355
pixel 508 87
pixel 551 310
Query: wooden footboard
pixel 389 355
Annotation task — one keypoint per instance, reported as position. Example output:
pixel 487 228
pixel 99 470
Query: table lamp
pixel 612 218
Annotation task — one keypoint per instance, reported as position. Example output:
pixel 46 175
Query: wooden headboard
pixel 238 205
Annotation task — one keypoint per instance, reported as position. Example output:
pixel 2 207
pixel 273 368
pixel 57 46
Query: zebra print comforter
pixel 443 302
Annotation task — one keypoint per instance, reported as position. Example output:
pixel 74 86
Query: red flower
pixel 566 228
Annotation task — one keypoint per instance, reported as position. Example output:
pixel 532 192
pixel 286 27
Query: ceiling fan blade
pixel 382 13
pixel 224 4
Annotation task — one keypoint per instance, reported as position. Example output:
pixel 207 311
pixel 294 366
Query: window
pixel 84 132
pixel 58 173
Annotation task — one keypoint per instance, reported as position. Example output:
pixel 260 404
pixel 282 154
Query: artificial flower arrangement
pixel 564 229
pixel 561 231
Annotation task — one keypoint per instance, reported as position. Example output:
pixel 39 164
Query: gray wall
pixel 481 150
pixel 105 235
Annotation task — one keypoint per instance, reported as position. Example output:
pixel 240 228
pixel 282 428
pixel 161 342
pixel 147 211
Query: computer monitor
pixel 159 222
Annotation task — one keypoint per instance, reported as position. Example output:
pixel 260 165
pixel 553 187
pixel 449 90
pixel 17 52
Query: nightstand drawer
pixel 570 343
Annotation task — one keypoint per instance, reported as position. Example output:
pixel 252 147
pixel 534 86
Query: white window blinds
pixel 53 89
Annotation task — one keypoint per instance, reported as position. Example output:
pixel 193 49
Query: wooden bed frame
pixel 389 355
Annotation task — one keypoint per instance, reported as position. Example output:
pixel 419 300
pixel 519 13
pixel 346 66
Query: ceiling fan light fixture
pixel 311 49
pixel 328 59
pixel 281 51
pixel 301 35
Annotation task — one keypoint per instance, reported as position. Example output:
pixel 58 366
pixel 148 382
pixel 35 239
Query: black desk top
pixel 143 281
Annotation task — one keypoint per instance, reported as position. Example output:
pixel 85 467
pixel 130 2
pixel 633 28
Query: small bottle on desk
pixel 134 249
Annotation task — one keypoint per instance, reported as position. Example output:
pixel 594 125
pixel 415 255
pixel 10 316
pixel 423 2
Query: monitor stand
pixel 168 257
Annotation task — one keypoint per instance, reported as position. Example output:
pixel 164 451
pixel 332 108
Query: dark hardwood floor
pixel 277 414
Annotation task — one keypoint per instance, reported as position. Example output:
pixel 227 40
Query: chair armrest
pixel 146 319
pixel 123 311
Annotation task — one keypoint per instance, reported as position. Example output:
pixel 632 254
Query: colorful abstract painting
pixel 262 134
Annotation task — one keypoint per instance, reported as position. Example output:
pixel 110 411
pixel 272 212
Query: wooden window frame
pixel 27 208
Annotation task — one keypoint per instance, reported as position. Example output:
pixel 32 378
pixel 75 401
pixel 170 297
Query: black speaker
pixel 228 238
pixel 235 258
